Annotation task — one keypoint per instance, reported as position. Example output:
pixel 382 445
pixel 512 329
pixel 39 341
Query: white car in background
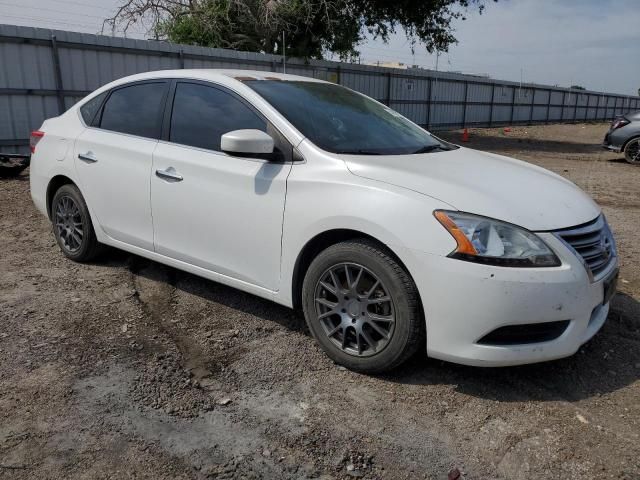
pixel 315 196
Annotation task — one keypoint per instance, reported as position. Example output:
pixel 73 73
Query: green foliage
pixel 312 27
pixel 577 87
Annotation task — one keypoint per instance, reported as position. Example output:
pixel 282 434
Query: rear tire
pixel 72 225
pixel 362 307
pixel 632 151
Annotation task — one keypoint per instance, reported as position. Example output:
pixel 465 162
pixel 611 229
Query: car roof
pixel 215 74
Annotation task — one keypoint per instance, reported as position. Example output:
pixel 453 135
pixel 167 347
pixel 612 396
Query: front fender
pixel 324 196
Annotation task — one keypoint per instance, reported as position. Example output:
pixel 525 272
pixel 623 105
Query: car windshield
pixel 340 120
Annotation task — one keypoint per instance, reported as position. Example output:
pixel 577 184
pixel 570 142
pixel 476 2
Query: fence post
pixel 586 110
pixel 57 74
pixel 338 74
pixel 493 99
pixel 599 109
pixel 388 101
pixel 548 106
pixel 533 99
pixel 575 110
pixel 513 103
pixel 181 57
pixel 464 106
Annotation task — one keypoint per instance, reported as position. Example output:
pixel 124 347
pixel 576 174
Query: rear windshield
pixel 340 120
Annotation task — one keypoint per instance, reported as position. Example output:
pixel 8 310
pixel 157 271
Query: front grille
pixel 593 243
pixel 525 334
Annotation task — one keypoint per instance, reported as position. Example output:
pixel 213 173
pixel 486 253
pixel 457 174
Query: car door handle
pixel 87 157
pixel 169 174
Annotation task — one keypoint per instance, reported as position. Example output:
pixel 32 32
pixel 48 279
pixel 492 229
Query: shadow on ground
pixel 206 289
pixel 502 143
pixel 609 362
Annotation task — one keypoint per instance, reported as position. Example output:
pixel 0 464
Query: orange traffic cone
pixel 465 135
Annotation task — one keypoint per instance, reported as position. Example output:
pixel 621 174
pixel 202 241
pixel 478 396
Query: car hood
pixel 485 184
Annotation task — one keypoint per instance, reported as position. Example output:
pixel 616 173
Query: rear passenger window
pixel 89 109
pixel 135 110
pixel 201 115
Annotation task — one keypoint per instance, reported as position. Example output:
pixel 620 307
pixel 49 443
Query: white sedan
pixel 320 198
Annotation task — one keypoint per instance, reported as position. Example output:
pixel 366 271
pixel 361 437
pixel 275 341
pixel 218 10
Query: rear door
pixel 113 159
pixel 221 212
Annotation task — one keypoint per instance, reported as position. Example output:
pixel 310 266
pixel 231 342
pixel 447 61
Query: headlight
pixel 492 242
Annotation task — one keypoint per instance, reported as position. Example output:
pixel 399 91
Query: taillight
pixel 619 122
pixel 34 138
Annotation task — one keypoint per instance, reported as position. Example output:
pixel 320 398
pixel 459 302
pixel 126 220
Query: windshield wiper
pixel 430 148
pixel 359 152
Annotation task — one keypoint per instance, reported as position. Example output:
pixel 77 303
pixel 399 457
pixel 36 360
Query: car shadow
pixel 608 362
pixel 206 289
pixel 16 177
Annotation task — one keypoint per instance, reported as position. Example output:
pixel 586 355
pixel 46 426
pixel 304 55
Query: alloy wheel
pixel 632 152
pixel 68 223
pixel 355 309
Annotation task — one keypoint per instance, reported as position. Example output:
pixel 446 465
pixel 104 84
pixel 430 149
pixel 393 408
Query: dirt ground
pixel 125 368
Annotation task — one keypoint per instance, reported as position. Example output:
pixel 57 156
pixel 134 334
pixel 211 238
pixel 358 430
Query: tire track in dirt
pixel 223 441
pixel 155 289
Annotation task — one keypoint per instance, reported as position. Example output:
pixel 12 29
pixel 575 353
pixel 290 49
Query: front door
pixel 216 211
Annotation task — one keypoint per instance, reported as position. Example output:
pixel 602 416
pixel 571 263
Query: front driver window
pixel 201 115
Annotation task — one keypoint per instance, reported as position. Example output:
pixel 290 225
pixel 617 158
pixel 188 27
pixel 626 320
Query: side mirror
pixel 247 142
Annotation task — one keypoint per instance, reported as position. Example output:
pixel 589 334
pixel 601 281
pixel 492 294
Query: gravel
pixel 124 368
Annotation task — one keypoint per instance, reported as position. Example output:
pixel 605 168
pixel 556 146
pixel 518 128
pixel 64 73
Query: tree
pixel 577 87
pixel 312 27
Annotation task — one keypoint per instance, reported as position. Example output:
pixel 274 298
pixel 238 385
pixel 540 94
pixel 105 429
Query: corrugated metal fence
pixel 43 72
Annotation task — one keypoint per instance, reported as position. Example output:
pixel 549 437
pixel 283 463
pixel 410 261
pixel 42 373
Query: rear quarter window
pixel 88 110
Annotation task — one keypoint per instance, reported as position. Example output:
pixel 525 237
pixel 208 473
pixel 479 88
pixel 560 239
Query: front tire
pixel 632 151
pixel 72 225
pixel 362 307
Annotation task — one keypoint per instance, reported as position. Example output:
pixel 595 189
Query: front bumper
pixel 465 301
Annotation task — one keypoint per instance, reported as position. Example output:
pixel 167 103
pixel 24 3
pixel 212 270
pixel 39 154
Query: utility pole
pixel 520 89
pixel 437 58
pixel 434 97
pixel 284 55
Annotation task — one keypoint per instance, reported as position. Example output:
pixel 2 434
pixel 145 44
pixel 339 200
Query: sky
pixel 593 43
